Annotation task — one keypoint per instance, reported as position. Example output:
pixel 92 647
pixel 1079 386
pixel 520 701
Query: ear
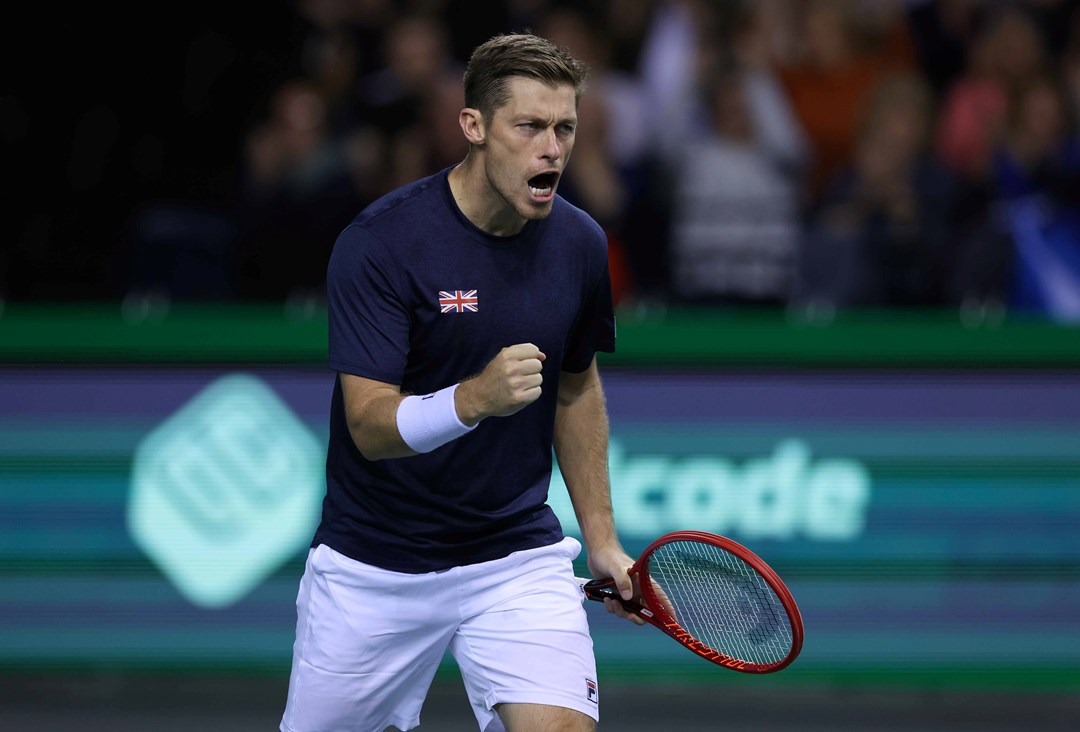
pixel 472 124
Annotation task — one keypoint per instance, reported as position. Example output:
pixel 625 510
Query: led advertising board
pixel 157 516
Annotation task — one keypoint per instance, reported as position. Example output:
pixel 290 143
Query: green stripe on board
pixel 1020 678
pixel 104 333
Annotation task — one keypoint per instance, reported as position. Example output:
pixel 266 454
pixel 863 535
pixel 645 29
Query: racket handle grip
pixel 604 589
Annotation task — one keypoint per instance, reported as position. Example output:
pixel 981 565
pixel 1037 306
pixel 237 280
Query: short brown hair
pixel 518 54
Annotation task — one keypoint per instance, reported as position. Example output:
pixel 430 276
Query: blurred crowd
pixel 814 155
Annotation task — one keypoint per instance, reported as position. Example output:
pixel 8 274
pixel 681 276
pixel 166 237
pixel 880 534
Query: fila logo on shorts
pixel 459 301
pixel 590 691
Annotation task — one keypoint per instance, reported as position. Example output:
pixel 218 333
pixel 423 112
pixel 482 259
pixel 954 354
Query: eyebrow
pixel 528 117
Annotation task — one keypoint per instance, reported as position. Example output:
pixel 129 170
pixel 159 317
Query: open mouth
pixel 542 186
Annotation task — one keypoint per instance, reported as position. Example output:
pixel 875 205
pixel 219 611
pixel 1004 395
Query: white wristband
pixel 430 421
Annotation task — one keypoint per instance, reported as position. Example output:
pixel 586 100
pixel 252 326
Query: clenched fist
pixel 509 383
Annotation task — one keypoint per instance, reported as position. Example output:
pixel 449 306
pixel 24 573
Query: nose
pixel 550 146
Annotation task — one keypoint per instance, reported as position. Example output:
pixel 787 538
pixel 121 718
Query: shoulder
pixel 401 205
pixel 581 242
pixel 572 222
pixel 395 218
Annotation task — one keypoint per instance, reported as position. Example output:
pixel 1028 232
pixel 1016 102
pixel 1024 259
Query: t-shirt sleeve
pixel 368 320
pixel 595 327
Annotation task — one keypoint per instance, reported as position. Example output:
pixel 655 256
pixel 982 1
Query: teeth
pixel 540 191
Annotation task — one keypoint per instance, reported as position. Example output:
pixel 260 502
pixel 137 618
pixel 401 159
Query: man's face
pixel 528 144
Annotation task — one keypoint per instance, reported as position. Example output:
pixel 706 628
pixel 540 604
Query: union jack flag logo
pixel 458 301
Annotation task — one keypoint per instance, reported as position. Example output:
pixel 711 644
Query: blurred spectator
pixel 941 32
pixel 294 194
pixel 1054 19
pixel 627 23
pixel 1038 154
pixel 394 101
pixel 339 44
pixel 882 236
pixel 667 55
pixel 1029 258
pixel 735 219
pixel 415 57
pixel 1005 52
pixel 297 194
pixel 838 54
pixel 592 181
pixel 671 52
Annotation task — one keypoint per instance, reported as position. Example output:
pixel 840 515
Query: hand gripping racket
pixel 715 597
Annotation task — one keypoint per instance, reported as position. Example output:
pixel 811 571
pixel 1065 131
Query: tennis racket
pixel 715 597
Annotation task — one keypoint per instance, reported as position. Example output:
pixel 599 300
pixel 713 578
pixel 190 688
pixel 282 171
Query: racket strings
pixel 721 601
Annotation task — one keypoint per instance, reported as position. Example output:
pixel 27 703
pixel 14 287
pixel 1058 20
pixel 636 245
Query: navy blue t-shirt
pixel 419 296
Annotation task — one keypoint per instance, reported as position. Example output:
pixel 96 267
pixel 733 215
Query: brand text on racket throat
pixel 679 633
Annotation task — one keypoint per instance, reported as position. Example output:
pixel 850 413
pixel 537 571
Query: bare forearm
pixel 581 446
pixel 384 423
pixel 373 426
pixel 391 425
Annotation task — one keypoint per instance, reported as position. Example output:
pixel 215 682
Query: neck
pixel 480 203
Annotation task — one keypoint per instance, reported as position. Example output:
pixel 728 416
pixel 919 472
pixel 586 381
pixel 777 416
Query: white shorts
pixel 369 641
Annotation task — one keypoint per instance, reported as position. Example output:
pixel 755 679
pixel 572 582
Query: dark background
pixel 113 106
pixel 107 108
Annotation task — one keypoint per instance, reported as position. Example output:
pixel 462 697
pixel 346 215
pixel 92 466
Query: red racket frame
pixel 652 611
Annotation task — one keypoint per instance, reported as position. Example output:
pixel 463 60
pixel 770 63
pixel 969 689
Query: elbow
pixel 367 447
pixel 373 448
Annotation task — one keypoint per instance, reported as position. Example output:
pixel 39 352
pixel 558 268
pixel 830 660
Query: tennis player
pixel 465 312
